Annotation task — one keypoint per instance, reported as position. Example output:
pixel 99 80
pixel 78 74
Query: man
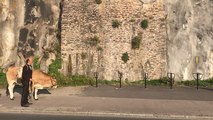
pixel 26 78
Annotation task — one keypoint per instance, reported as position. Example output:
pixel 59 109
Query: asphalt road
pixel 151 92
pixel 6 116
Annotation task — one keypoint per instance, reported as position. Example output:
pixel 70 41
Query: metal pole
pixel 120 77
pixel 197 77
pixel 96 79
pixel 197 80
pixel 145 78
pixel 170 80
pixel 120 81
pixel 171 77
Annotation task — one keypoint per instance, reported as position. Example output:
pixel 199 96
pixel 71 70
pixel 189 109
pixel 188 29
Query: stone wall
pixel 84 19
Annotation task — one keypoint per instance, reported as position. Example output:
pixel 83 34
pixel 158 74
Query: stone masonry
pixel 85 19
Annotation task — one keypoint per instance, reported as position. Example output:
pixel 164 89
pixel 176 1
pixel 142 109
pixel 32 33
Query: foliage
pixel 55 66
pixel 202 83
pixel 58 48
pixel 75 80
pixel 93 41
pixel 83 56
pixel 36 64
pixel 144 24
pixel 98 1
pixel 156 82
pixel 108 82
pixel 125 57
pixel 115 23
pixel 136 41
pixel 99 48
pixel 70 80
pixel 3 79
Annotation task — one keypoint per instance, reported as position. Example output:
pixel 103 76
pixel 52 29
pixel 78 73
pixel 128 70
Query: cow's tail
pixel 7 90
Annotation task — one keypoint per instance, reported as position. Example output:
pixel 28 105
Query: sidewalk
pixel 153 102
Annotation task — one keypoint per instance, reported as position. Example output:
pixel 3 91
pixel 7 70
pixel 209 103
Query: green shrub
pixel 98 1
pixel 155 82
pixel 57 48
pixel 99 48
pixel 55 66
pixel 136 41
pixel 202 83
pixel 83 56
pixel 125 57
pixel 108 82
pixel 115 24
pixel 36 64
pixel 144 24
pixel 70 80
pixel 3 79
pixel 93 41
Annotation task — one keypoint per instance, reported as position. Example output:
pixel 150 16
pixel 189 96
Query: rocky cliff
pixel 28 28
pixel 190 37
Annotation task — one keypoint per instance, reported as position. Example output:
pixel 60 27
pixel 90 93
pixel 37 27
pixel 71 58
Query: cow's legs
pixel 36 94
pixel 11 88
pixel 7 90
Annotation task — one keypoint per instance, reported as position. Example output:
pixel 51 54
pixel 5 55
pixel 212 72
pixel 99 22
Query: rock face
pixel 28 27
pixel 190 37
pixel 84 20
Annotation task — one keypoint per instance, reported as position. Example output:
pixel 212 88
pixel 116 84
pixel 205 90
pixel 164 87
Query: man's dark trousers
pixel 25 92
pixel 26 76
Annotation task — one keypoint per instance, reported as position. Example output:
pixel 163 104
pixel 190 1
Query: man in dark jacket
pixel 26 78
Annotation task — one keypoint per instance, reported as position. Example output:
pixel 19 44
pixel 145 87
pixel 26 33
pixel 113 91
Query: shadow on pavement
pixel 18 89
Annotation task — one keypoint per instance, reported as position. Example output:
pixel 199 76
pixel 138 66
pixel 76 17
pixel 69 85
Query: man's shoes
pixel 29 103
pixel 25 105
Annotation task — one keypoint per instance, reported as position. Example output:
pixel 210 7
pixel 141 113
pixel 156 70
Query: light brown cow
pixel 40 80
pixel 12 74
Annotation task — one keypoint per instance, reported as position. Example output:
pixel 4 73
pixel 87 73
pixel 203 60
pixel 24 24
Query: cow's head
pixel 54 82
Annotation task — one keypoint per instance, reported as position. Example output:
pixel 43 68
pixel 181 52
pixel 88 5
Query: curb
pixel 109 114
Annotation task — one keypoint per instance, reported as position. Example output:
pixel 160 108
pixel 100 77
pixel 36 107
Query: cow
pixel 40 80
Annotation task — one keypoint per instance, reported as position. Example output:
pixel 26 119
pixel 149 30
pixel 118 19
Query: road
pixel 6 116
pixel 152 102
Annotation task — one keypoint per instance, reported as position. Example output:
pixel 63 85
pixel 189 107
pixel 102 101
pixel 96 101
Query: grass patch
pixel 74 80
pixel 192 83
pixel 3 80
pixel 108 82
pixel 155 82
pixel 164 82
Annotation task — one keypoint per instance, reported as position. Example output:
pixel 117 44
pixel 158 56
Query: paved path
pixel 154 102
